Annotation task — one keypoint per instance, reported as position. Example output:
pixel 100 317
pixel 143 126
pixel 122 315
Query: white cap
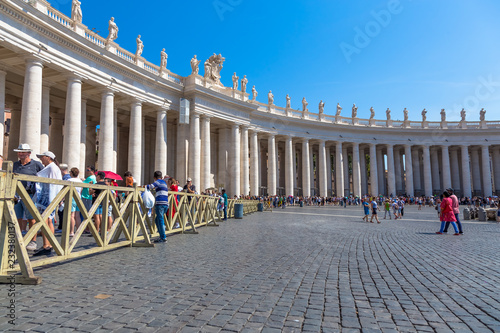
pixel 48 154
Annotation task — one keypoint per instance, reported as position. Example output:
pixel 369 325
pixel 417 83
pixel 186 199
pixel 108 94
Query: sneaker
pixel 72 235
pixel 159 240
pixel 58 231
pixel 439 232
pixel 43 252
pixel 457 234
pixel 31 246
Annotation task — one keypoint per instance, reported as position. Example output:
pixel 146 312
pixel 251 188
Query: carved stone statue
pixel 270 98
pixel 321 107
pixel 462 114
pixel 76 11
pixel 372 113
pixel 388 114
pixel 194 65
pixel 140 46
pixel 113 30
pixel 235 81
pixel 354 111
pixel 424 115
pixel 405 113
pixel 443 115
pixel 244 82
pixel 339 109
pixel 163 61
pixel 254 93
pixel 304 104
pixel 213 66
pixel 288 102
pixel 482 115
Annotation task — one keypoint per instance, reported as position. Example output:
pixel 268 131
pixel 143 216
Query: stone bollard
pixel 466 214
pixel 482 214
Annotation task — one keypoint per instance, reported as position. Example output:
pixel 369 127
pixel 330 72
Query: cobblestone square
pixel 311 269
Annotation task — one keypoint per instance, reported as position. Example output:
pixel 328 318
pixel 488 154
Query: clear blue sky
pixel 415 53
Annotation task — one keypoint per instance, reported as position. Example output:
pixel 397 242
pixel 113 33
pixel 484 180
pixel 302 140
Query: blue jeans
pixel 225 212
pixel 448 223
pixel 459 224
pixel 160 211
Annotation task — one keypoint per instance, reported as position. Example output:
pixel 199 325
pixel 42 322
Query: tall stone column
pixel 339 170
pixel 72 123
pixel 362 165
pixel 234 167
pixel 496 169
pixel 245 163
pixel 436 179
pixel 45 121
pixel 115 140
pixel 56 131
pixel 485 158
pixel 31 113
pixel 322 184
pixel 106 132
pixel 455 170
pixel 312 176
pixel 476 170
pixel 195 151
pixel 427 171
pixel 391 175
pixel 181 170
pixel 83 137
pixel 328 171
pixel 466 174
pixel 271 162
pixel 206 161
pixel 409 171
pixel 15 127
pixel 445 155
pixel 135 155
pixel 160 154
pixel 2 110
pixel 289 174
pixel 415 157
pixel 222 159
pixel 347 178
pixel 294 167
pixel 398 171
pixel 306 172
pixel 356 172
pixel 373 170
pixel 254 160
pixel 381 171
pixel 90 144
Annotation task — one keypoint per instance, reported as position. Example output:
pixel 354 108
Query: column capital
pixel 206 117
pixel 235 126
pixel 34 60
pixel 2 72
pixel 107 91
pixel 74 77
pixel 389 145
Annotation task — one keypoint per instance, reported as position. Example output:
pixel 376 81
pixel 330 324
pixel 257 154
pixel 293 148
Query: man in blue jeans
pixel 224 195
pixel 161 204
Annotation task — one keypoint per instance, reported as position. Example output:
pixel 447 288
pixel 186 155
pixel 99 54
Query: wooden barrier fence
pixel 131 223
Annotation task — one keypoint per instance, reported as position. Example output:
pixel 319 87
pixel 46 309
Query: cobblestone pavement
pixel 298 269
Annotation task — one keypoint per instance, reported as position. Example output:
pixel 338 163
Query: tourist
pixel 26 166
pixel 374 207
pixel 366 208
pixel 224 195
pixel 456 211
pixel 60 212
pixel 161 204
pixel 46 193
pixel 173 187
pixel 387 209
pixel 395 209
pixel 447 214
pixel 75 211
pixel 91 179
pixel 95 192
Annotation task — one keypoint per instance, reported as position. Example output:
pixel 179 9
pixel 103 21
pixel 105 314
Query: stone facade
pixel 89 101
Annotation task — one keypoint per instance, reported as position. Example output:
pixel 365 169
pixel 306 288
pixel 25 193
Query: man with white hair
pixel 26 166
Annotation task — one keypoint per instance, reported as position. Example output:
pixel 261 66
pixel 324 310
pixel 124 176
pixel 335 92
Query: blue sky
pixel 408 53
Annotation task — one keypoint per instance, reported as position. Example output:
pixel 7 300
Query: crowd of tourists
pixel 42 194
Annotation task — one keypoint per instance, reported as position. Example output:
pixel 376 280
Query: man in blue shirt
pixel 224 195
pixel 161 204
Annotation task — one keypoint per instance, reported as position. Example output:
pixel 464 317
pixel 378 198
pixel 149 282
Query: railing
pixel 129 225
pixel 59 17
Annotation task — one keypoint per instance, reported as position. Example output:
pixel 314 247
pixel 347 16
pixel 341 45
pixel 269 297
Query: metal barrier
pixel 131 223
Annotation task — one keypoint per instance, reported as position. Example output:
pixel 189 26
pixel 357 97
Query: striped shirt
pixel 161 191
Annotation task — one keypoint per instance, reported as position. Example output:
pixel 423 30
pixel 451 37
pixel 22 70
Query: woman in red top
pixel 447 214
pixel 172 185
